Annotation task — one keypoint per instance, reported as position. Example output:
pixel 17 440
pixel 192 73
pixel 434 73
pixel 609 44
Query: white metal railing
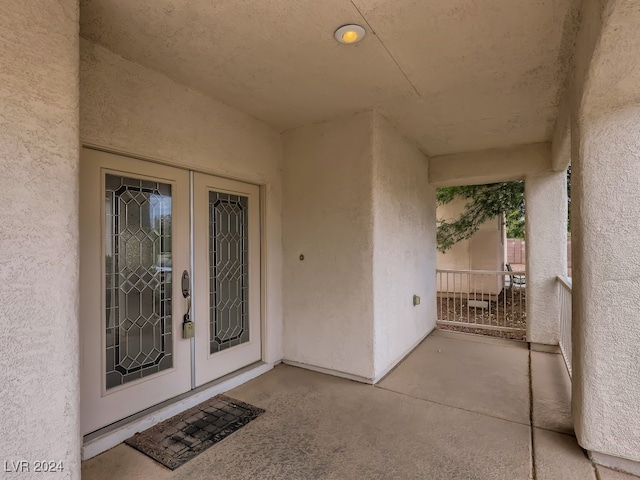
pixel 482 299
pixel 564 285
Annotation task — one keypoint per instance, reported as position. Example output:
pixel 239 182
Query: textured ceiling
pixel 454 75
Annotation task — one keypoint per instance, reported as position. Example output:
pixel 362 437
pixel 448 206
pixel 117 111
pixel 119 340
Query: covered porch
pixel 340 148
pixel 459 406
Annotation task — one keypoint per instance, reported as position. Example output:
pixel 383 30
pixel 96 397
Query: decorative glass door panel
pixel 138 279
pixel 227 276
pixel 229 271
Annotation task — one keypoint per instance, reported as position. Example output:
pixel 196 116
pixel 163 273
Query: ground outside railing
pixel 564 286
pixel 482 302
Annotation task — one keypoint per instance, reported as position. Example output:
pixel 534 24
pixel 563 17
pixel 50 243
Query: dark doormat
pixel 179 439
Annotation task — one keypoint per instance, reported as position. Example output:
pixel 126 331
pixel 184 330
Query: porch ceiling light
pixel 349 34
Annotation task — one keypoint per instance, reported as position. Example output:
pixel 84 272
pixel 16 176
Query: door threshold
pixel 108 437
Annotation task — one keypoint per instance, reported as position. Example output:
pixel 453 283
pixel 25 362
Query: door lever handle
pixel 186 293
pixel 186 284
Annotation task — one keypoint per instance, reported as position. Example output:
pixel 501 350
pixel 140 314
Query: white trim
pixel 506 273
pixel 108 437
pixel 192 268
pixel 616 463
pixel 264 288
pixel 567 282
pixel 328 371
pixel 399 360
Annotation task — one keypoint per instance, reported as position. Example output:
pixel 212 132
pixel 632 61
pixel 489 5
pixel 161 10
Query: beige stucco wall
pixel 126 107
pixel 546 229
pixel 605 236
pixel 358 206
pixel 606 279
pixel 489 166
pixel 404 246
pixel 485 250
pixel 327 217
pixel 39 393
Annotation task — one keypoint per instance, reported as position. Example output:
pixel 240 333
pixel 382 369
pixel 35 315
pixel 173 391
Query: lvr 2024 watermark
pixel 26 466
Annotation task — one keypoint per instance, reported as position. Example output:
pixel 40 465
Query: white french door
pixel 226 276
pixel 135 244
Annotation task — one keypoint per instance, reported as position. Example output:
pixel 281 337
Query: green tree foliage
pixel 515 223
pixel 483 202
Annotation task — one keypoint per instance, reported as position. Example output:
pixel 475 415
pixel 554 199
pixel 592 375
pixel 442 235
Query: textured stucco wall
pixel 327 217
pixel 485 250
pixel 606 279
pixel 404 259
pixel 39 393
pixel 605 234
pixel 126 107
pixel 457 257
pixel 359 207
pixel 546 231
pixel 561 142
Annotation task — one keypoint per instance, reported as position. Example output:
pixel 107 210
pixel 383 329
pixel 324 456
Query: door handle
pixel 186 285
pixel 187 324
pixel 186 293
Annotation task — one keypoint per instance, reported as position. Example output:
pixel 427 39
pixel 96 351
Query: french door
pixel 143 227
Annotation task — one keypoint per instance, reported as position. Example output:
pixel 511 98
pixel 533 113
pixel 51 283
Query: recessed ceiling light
pixel 349 34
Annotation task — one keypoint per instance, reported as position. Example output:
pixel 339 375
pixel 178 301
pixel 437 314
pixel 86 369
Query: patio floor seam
pixel 533 448
pixel 451 406
pixel 519 345
pixel 545 429
pixel 595 471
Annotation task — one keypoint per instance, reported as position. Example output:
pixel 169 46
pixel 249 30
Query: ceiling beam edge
pixel 490 166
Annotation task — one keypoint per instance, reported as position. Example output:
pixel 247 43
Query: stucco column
pixel 546 233
pixel 605 148
pixel 606 284
pixel 39 238
pixel 359 243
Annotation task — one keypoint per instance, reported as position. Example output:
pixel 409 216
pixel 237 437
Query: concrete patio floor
pixel 458 407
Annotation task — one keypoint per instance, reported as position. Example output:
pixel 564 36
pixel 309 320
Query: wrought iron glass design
pixel 228 271
pixel 138 279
